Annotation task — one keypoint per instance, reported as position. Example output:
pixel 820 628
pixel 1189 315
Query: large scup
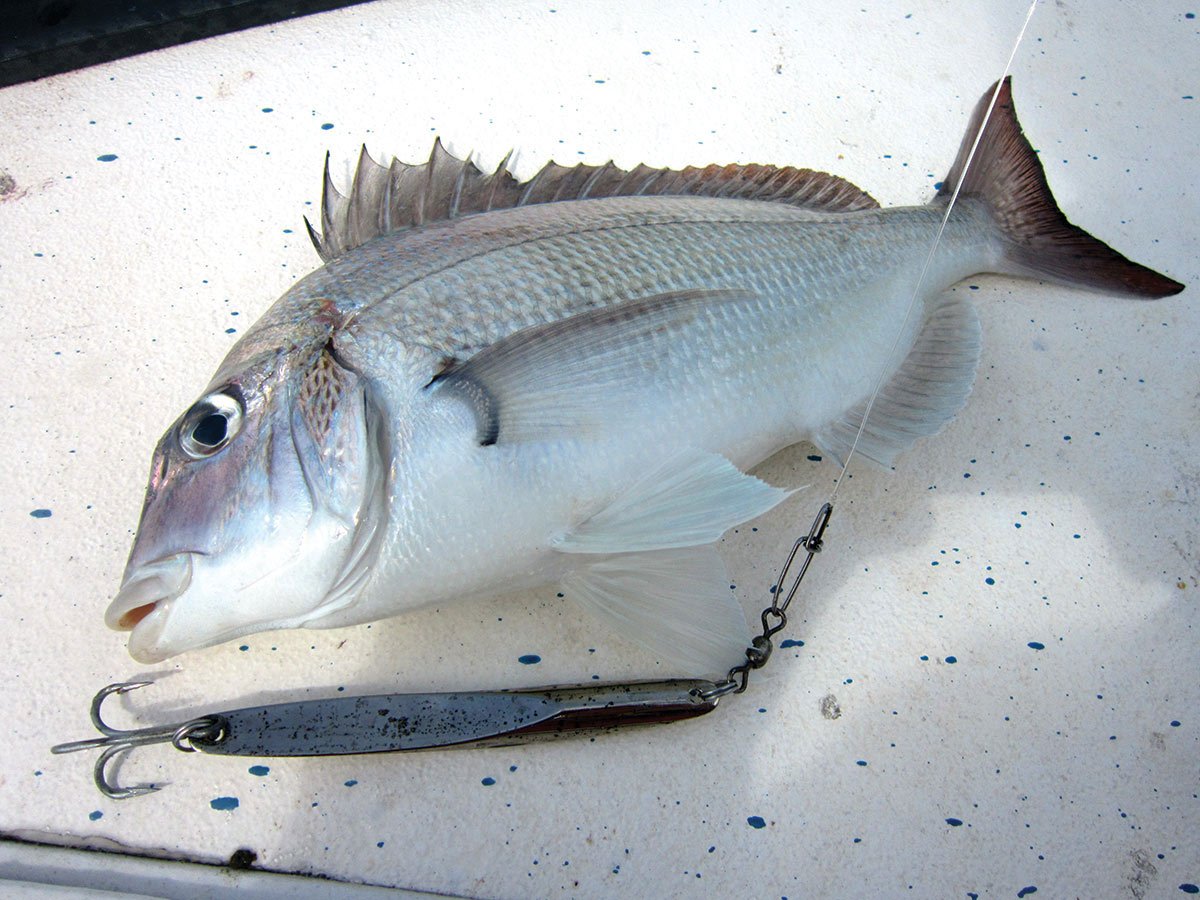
pixel 493 384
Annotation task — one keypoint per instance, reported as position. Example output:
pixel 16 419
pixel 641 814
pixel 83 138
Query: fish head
pixel 264 506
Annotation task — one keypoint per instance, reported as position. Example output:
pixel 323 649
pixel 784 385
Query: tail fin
pixel 1040 242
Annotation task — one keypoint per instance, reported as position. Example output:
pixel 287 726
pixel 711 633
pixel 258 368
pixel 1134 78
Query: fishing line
pixel 937 238
pixel 774 617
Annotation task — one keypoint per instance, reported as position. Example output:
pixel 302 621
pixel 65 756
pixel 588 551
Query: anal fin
pixel 923 395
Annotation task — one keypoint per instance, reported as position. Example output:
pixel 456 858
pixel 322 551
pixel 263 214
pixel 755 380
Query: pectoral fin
pixel 675 603
pixel 563 378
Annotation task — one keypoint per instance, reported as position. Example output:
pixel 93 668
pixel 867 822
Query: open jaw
pixel 149 590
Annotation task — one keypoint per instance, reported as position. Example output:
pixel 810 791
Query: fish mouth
pixel 147 592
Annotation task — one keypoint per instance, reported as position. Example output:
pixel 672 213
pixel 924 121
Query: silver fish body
pixel 794 314
pixel 569 392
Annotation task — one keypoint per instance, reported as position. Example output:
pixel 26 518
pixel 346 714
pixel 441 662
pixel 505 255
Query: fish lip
pixel 147 593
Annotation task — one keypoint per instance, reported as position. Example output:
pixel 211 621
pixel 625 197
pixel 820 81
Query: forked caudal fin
pixel 1040 242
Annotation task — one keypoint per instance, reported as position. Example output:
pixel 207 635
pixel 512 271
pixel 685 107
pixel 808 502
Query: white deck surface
pixel 1020 706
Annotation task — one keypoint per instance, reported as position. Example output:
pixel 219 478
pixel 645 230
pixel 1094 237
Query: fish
pixel 493 385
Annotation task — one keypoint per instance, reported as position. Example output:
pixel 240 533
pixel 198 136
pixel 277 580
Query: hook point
pixel 127 686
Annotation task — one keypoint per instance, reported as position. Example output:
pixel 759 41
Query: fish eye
pixel 209 425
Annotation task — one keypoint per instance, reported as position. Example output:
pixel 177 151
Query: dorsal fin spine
pixel 456 196
pixel 532 184
pixel 496 179
pixel 387 202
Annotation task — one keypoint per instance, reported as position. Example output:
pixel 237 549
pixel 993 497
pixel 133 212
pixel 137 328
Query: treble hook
pixel 117 740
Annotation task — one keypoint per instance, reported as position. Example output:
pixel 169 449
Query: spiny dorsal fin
pixel 399 196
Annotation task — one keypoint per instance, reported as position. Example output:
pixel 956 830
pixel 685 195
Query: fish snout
pixel 148 590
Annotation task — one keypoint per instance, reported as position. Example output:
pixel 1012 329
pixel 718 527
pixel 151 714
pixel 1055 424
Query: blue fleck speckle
pixel 260 771
pixel 230 330
pixel 267 109
pixel 327 126
pixel 95 814
pixel 379 844
pixel 1026 891
pixel 351 783
pixel 1174 723
pixel 791 643
pixel 756 822
pixel 224 803
pixel 599 81
pixel 952 659
pixel 1189 888
pixel 488 781
pixel 989 580
pixel 1036 645
pixel 860 762
pixel 512 768
pixel 106 157
pixel 529 659
pixel 937 185
pixel 953 822
pixel 814 457
pixel 244 647
pixel 40 513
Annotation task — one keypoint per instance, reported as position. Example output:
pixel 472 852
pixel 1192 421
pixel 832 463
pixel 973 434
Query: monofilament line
pixel 912 302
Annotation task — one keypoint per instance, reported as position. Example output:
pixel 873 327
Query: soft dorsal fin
pixel 400 195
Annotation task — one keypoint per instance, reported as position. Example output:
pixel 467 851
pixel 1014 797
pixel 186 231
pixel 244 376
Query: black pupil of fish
pixel 210 430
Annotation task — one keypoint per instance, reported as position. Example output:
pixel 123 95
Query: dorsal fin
pixel 399 196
